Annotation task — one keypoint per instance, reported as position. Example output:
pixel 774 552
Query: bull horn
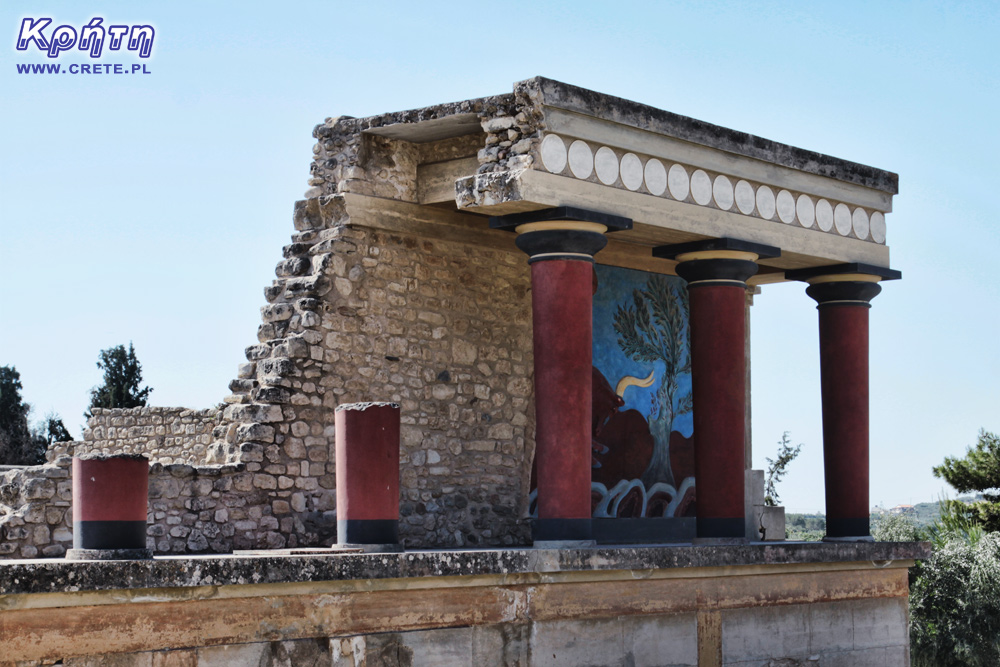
pixel 631 380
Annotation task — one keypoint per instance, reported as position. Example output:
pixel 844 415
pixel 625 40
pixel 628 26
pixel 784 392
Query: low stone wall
pixel 35 515
pixel 164 435
pixel 192 509
pixel 804 604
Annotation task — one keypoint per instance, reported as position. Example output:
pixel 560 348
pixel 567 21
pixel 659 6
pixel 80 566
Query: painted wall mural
pixel 643 455
pixel 642 450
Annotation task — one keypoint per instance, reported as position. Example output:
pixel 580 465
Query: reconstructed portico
pixel 724 211
pixel 533 308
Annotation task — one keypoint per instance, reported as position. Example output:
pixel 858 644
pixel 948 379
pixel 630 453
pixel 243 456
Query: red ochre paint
pixel 718 372
pixel 367 453
pixel 562 295
pixel 110 489
pixel 843 342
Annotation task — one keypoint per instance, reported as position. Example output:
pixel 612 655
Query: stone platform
pixel 836 604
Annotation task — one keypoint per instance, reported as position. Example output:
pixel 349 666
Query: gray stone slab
pixel 667 641
pixel 880 623
pixel 793 631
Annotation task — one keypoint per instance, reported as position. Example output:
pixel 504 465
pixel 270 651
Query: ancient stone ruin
pixel 553 287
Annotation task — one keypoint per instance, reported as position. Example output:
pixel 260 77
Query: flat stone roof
pixel 19 577
pixel 452 119
pixel 645 117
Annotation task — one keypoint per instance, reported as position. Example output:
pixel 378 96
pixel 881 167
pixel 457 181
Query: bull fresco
pixel 643 458
pixel 642 454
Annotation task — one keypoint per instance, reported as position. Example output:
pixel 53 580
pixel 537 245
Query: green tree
pixel 53 429
pixel 979 471
pixel 776 468
pixel 122 377
pixel 655 328
pixel 889 527
pixel 18 444
pixel 955 602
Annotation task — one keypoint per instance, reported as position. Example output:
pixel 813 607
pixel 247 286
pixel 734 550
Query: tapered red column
pixel 367 451
pixel 716 272
pixel 843 294
pixel 110 505
pixel 560 244
pixel 561 304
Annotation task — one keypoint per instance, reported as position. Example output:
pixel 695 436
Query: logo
pixel 92 37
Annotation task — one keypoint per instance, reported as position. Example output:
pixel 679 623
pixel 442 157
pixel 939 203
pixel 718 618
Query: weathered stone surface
pixel 54 576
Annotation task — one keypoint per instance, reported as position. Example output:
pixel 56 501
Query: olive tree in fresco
pixel 655 328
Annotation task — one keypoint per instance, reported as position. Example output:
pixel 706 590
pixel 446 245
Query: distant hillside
pixel 812 527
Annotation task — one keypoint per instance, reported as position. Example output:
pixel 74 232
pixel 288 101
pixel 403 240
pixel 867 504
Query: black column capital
pixel 563 232
pixel 544 243
pixel 716 261
pixel 850 284
pixel 844 293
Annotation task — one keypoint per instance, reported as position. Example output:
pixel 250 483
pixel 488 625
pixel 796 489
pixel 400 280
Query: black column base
pixel 109 535
pixel 724 529
pixel 849 530
pixel 359 532
pixel 562 532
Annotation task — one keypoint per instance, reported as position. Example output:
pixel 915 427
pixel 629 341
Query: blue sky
pixel 153 208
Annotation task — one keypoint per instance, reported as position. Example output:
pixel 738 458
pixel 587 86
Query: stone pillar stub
pixel 716 271
pixel 560 244
pixel 367 451
pixel 843 293
pixel 110 508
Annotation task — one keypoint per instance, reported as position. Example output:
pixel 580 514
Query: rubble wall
pixel 164 435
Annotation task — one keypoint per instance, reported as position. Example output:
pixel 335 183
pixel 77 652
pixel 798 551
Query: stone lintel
pixel 660 220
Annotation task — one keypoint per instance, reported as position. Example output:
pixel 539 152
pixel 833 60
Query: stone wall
pixel 35 516
pixel 371 301
pixel 442 328
pixel 164 435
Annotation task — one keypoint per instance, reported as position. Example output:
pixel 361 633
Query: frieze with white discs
pixel 686 183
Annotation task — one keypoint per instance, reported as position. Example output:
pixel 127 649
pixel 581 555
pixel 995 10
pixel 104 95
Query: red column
pixel 561 243
pixel 716 271
pixel 561 304
pixel 367 455
pixel 843 304
pixel 562 289
pixel 718 377
pixel 110 503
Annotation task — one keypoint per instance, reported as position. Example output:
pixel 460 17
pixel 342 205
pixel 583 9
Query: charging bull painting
pixel 642 453
pixel 643 459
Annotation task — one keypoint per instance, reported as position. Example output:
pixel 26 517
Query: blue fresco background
pixel 615 287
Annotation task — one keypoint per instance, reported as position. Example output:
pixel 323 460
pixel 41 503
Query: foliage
pixel 655 328
pixel 53 429
pixel 978 470
pixel 805 527
pixel 122 377
pixel 955 602
pixel 18 444
pixel 776 468
pixel 893 527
